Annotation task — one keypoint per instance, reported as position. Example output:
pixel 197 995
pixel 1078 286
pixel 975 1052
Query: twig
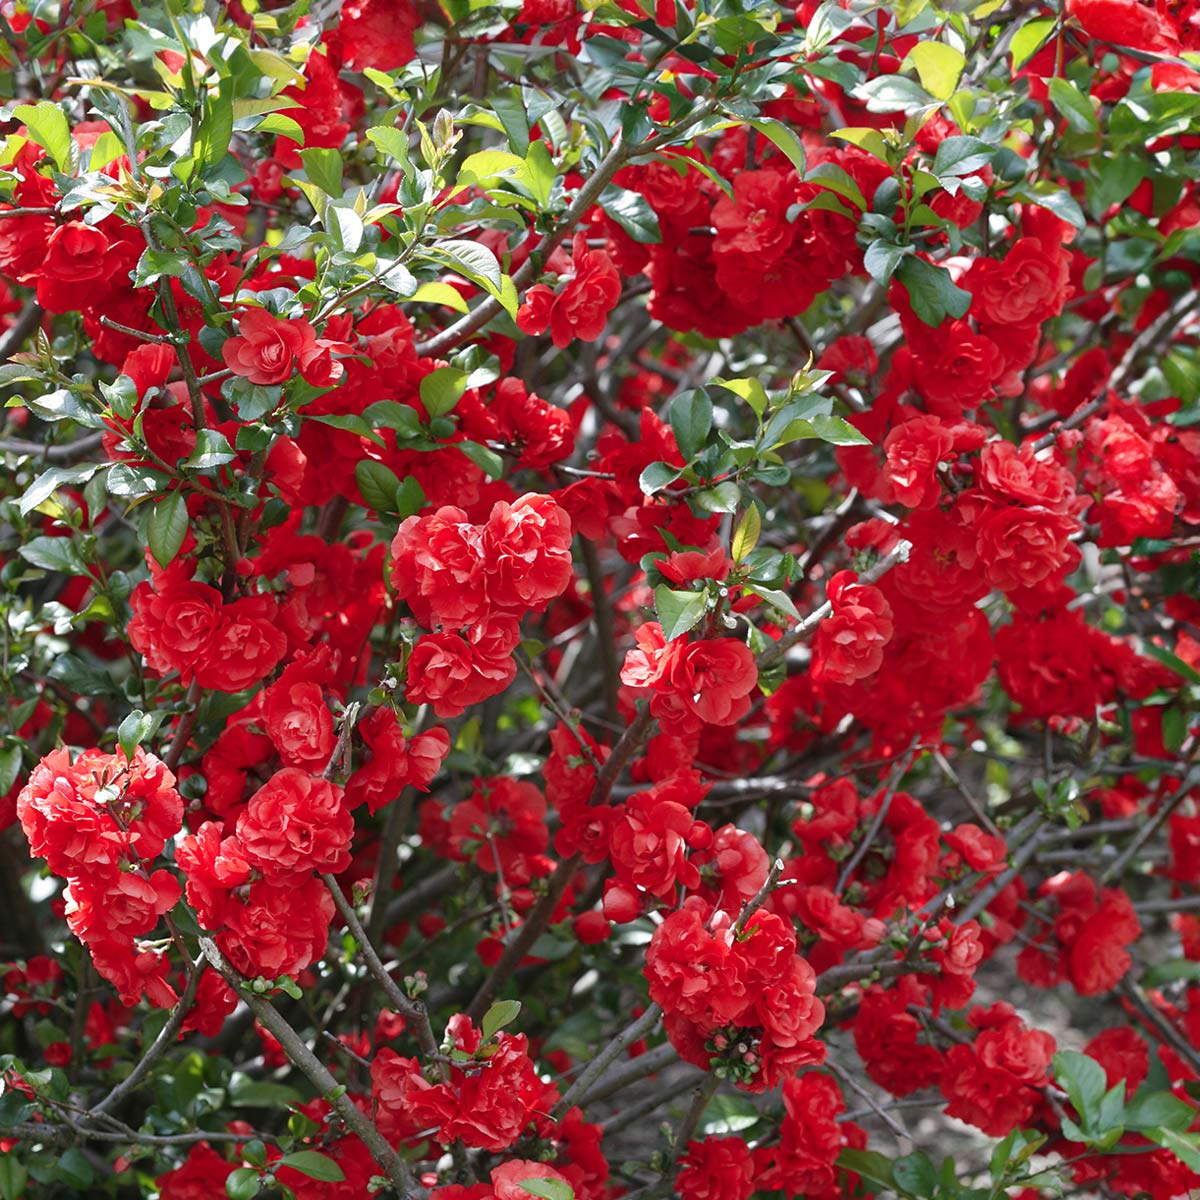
pixel 860 851
pixel 616 1047
pixel 166 1038
pixel 186 724
pixel 412 1011
pixel 1117 867
pixel 1166 322
pixel 272 1021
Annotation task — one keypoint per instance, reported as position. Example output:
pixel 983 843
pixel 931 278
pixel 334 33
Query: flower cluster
pixel 472 584
pixel 100 822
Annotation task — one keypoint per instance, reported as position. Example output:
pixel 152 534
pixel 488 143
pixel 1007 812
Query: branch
pixel 397 1169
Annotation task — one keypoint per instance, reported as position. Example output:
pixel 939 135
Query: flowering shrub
pixel 600 600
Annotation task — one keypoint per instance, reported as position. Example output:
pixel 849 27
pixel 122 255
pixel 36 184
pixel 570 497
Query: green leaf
pixel 750 390
pixel 134 730
pixel 881 258
pixel 350 423
pixel 13 1177
pixel 314 1165
pixel 633 213
pixel 776 598
pixel 439 293
pixel 1159 1110
pixel 410 497
pixel 10 766
pixel 477 263
pixel 324 168
pixel 245 1092
pixel 915 1174
pixel 377 484
pixel 1083 1079
pixel 74 1168
pixel 442 389
pixel 212 450
pixel 1074 106
pixel 873 1167
pixel 243 1184
pixel 722 497
pixel 893 93
pixel 548 1189
pixel 1172 661
pixel 678 611
pixel 488 460
pixel 691 420
pixel 216 128
pixel 727 1114
pixel 509 107
pixel 503 1012
pixel 958 156
pixel 1029 39
pixel 939 67
pixel 48 482
pixel 1185 1146
pixel 837 432
pixel 486 165
pixel 931 292
pixel 47 125
pixel 391 414
pixel 783 138
pixel 54 554
pixel 539 174
pixel 166 527
pixel 658 475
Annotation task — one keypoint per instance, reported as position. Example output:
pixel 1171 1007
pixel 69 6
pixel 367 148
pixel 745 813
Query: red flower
pixel 1030 286
pixel 246 647
pixel 173 625
pixel 527 548
pixel 438 568
pixel 850 642
pixel 649 844
pixel 1019 547
pixel 695 973
pixel 296 822
pixel 993 1083
pixel 581 309
pixel 716 1169
pixel 75 253
pixel 278 928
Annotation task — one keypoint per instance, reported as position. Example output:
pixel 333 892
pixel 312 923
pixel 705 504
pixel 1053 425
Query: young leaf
pixel 548 1189
pixel 745 536
pixel 47 125
pixel 442 389
pixel 939 67
pixel 503 1012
